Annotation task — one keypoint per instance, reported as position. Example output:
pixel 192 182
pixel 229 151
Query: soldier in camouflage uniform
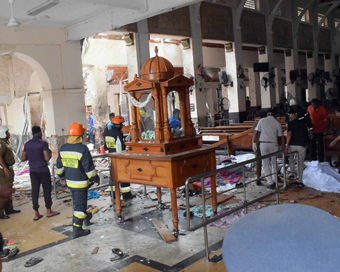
pixel 6 171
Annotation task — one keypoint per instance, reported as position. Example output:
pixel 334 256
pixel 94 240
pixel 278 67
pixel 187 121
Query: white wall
pixel 170 51
pixel 62 108
pixel 16 118
pixel 249 58
pixel 105 52
pixel 46 47
pixel 35 83
pixel 213 57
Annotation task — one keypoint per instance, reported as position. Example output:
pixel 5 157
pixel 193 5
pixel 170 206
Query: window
pixel 305 17
pixel 336 23
pixel 251 4
pixel 320 17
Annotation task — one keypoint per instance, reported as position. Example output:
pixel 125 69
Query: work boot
pixel 79 232
pixel 87 219
pixel 12 211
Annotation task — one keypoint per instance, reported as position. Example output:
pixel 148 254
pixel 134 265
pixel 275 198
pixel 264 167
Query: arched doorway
pixel 22 80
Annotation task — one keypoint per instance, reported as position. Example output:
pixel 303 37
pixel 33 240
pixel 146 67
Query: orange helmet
pixel 117 120
pixel 76 129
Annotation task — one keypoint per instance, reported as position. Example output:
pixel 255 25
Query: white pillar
pixel 268 93
pixel 63 108
pixel 329 66
pixel 142 43
pixel 192 59
pixel 136 55
pixel 311 67
pixel 289 66
pixel 278 88
pixel 236 95
pixel 255 100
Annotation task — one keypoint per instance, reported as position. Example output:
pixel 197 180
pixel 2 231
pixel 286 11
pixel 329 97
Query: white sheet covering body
pixel 321 176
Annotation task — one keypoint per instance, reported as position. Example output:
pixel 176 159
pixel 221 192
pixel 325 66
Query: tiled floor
pixel 47 238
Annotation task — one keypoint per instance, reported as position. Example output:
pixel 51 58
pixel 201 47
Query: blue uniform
pixel 76 165
pixel 174 123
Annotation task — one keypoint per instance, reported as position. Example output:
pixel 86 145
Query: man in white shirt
pixel 269 131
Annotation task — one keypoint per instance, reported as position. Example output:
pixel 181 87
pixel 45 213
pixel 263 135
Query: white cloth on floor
pixel 244 157
pixel 321 176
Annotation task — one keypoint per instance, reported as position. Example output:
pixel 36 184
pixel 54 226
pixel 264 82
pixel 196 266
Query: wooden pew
pixel 231 137
pixel 334 124
pixel 333 151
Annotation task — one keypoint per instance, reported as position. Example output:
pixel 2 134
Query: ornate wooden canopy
pixel 158 79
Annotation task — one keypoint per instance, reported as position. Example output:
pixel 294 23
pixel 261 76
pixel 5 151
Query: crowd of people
pixel 305 131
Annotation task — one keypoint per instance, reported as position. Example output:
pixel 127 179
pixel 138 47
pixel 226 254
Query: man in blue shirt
pixel 174 119
pixel 92 131
pixel 38 154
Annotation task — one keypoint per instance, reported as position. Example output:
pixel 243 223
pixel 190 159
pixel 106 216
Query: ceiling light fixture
pixel 44 6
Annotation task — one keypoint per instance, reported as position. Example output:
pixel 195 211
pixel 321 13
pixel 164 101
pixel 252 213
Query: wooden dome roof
pixel 157 69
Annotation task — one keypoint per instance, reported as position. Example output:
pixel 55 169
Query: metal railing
pixel 245 204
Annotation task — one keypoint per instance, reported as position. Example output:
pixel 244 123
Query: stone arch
pixel 45 79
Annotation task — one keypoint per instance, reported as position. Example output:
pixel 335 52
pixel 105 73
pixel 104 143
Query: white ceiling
pixel 83 18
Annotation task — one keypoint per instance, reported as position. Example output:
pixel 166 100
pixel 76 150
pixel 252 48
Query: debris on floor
pixel 92 210
pixel 227 221
pixel 163 231
pixel 95 250
pixel 120 255
pixel 33 261
pixel 92 194
pixel 198 210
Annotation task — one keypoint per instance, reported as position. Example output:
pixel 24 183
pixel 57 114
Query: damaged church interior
pixel 183 135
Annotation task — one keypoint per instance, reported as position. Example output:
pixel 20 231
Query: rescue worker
pixel 109 125
pixel 6 171
pixel 256 148
pixel 110 138
pixel 269 132
pixel 302 114
pixel 75 164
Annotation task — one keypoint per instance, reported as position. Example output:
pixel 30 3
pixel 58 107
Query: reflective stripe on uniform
pixel 71 155
pixel 70 158
pixel 125 189
pixel 77 183
pixel 79 215
pixel 91 174
pixel 109 189
pixel 76 225
pixel 60 170
pixel 110 142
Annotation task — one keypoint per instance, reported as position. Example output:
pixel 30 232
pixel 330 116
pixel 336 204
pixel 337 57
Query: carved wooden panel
pixel 193 166
pixel 305 37
pixel 143 172
pixel 216 22
pixel 253 27
pixel 176 22
pixel 324 40
pixel 282 33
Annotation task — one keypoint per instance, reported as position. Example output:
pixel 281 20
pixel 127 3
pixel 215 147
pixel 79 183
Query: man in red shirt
pixel 318 114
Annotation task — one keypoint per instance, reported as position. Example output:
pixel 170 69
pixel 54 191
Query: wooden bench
pixel 236 137
pixel 333 151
